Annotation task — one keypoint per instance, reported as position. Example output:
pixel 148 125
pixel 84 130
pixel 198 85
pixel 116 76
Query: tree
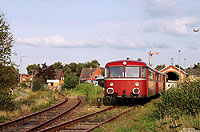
pixel 6 40
pixel 95 62
pixel 70 81
pixel 196 66
pixel 74 69
pixel 8 74
pixel 103 71
pixel 31 69
pixel 79 68
pixel 160 67
pixel 90 64
pixel 8 82
pixel 177 66
pixel 38 84
pixel 139 59
pixel 72 66
pixel 57 65
pixel 45 72
pixel 66 69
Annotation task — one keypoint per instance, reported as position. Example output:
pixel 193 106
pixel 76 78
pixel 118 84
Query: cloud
pixel 173 27
pixel 59 41
pixel 194 47
pixel 160 8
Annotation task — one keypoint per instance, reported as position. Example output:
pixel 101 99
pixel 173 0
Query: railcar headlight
pixel 110 90
pixel 137 84
pixel 136 90
pixel 124 63
pixel 111 84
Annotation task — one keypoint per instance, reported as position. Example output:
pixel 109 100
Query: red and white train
pixel 128 80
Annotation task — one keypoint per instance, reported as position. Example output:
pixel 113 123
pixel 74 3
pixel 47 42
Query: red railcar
pixel 129 80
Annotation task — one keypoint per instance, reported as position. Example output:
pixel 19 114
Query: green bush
pixel 70 81
pixel 6 100
pixel 23 85
pixel 38 84
pixel 183 100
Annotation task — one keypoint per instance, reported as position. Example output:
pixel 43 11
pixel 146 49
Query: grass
pixel 134 121
pixel 185 121
pixel 88 91
pixel 145 119
pixel 32 102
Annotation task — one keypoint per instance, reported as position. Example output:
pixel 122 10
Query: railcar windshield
pixel 106 72
pixel 132 72
pixel 117 71
pixel 143 72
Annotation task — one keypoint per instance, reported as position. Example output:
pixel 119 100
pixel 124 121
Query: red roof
pixel 128 63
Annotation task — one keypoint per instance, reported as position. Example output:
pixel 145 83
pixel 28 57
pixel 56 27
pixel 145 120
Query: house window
pixel 96 76
pixel 89 81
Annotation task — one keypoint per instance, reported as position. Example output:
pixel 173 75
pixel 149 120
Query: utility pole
pixel 179 69
pixel 21 63
pixel 185 64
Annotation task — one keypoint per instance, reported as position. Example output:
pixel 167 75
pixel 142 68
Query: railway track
pixel 41 119
pixel 89 122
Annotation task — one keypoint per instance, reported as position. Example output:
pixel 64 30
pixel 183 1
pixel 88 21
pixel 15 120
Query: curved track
pixel 89 122
pixel 41 119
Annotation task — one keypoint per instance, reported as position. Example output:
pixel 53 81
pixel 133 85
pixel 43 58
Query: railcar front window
pixel 132 72
pixel 143 72
pixel 106 72
pixel 117 71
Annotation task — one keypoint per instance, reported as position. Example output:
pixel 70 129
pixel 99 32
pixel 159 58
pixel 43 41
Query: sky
pixel 105 30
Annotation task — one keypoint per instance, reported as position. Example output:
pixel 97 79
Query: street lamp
pixel 196 29
pixel 179 68
pixel 185 64
pixel 21 63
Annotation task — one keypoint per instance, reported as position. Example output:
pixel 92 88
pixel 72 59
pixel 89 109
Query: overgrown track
pixel 88 122
pixel 41 119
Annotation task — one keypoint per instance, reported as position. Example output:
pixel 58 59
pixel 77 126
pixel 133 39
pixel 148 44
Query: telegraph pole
pixel 179 69
pixel 21 63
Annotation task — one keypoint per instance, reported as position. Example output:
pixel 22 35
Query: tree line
pixel 195 66
pixel 71 71
pixel 73 67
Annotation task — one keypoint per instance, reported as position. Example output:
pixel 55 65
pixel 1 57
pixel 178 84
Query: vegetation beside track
pixel 146 119
pixel 88 91
pixel 135 120
pixel 31 102
pixel 177 109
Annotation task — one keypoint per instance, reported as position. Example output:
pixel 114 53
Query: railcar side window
pixel 106 72
pixel 132 72
pixel 143 72
pixel 150 74
pixel 117 71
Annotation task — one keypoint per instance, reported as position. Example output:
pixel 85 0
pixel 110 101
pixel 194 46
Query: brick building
pixel 173 75
pixel 90 74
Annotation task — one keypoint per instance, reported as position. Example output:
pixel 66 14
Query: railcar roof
pixel 128 63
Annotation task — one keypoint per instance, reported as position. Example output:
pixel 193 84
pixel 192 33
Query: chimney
pixel 90 67
pixel 172 61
